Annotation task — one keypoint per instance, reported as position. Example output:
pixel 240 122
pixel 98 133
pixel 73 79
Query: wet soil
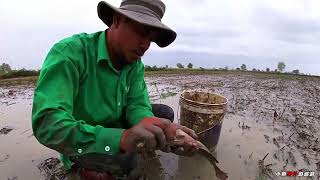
pixel 266 115
pixel 271 125
pixel 5 130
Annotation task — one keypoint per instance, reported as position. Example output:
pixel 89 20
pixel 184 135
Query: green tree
pixel 281 66
pixel 243 67
pixel 154 67
pixel 190 66
pixel 180 66
pixel 4 68
pixel 147 67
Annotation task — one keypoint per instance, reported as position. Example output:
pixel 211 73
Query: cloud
pixel 287 27
pixel 210 32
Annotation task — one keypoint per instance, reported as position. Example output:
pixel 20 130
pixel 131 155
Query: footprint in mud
pixel 267 138
pixel 4 157
pixel 5 130
pixel 13 178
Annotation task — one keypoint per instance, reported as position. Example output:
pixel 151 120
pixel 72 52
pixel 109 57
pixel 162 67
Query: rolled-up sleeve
pixel 138 99
pixel 52 113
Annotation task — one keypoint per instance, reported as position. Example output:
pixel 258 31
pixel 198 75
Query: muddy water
pixel 246 137
pixel 278 117
pixel 233 151
pixel 20 153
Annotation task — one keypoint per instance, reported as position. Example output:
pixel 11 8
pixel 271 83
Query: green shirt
pixel 82 104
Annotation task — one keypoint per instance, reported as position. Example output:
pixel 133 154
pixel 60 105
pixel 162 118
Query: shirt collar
pixel 103 53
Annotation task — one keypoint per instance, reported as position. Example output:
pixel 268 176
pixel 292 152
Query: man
pixel 91 102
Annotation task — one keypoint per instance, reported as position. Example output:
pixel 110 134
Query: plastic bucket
pixel 203 112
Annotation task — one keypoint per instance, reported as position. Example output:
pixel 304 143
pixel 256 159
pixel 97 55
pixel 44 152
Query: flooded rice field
pixel 271 125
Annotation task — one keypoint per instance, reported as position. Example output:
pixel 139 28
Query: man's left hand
pixel 184 144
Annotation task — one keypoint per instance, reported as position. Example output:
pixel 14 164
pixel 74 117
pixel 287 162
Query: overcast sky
pixel 211 33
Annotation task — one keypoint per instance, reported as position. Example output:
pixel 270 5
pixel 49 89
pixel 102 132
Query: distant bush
pixel 268 70
pixel 243 67
pixel 20 73
pixel 296 71
pixel 155 68
pixel 180 66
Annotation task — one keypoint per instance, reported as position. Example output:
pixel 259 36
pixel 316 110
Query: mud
pixel 272 125
pixel 5 130
pixel 52 168
pixel 251 129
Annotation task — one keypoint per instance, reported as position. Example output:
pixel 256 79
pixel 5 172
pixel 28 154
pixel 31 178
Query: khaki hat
pixel 146 12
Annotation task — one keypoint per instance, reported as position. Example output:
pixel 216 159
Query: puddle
pixel 22 151
pixel 274 117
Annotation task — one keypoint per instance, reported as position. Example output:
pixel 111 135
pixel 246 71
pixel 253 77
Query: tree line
pixel 7 72
pixel 279 69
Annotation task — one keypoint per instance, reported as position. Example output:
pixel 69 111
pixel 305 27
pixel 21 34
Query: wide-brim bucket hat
pixel 145 12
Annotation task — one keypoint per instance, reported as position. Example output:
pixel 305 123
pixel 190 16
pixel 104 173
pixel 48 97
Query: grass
pixel 19 81
pixel 257 74
pixel 19 73
pixel 33 74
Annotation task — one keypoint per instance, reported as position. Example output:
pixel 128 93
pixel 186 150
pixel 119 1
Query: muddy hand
pixel 145 136
pixel 181 140
pixel 171 131
pixel 183 144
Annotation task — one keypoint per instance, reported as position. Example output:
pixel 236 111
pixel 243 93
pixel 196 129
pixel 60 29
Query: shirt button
pixel 79 151
pixel 107 148
pixel 118 103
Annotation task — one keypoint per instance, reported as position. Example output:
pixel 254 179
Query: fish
pixel 177 138
pixel 182 137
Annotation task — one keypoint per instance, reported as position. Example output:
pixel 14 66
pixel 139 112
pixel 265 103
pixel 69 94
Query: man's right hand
pixel 148 135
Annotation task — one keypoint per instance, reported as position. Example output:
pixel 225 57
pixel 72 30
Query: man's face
pixel 133 39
